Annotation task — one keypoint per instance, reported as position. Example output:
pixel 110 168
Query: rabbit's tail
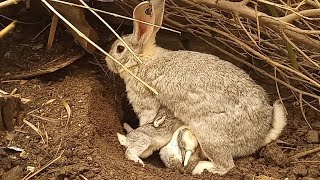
pixel 278 124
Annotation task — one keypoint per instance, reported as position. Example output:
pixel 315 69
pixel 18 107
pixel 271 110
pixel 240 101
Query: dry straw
pixel 280 39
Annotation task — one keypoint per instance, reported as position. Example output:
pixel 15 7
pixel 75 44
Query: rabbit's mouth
pixel 112 67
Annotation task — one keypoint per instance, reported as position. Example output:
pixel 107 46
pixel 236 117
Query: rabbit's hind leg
pixel 132 155
pixel 144 105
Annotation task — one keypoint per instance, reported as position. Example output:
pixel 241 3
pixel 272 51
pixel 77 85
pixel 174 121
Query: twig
pixel 14 91
pixel 258 54
pixel 7 29
pixel 8 3
pixel 245 30
pixel 53 29
pixel 300 51
pixel 115 15
pixel 306 153
pixel 50 67
pixel 35 37
pixel 45 166
pixel 99 48
pixel 258 24
pixel 302 110
pixel 83 177
pixel 3 92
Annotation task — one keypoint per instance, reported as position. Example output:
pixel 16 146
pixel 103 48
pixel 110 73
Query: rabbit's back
pixel 210 94
pixel 204 80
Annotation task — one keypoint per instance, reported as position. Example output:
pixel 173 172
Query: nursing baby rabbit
pixel 146 139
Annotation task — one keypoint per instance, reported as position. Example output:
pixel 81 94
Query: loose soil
pixel 99 107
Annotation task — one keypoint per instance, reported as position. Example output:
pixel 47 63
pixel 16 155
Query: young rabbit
pixel 146 139
pixel 227 111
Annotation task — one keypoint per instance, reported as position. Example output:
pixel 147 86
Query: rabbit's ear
pixel 141 31
pixel 122 139
pixel 158 9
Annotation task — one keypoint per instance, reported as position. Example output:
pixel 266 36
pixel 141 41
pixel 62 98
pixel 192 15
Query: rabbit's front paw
pixel 135 158
pixel 147 116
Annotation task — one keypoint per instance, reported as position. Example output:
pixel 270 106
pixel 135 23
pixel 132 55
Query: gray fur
pixel 227 111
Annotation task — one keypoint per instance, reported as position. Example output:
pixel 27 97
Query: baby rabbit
pixel 228 113
pixel 146 139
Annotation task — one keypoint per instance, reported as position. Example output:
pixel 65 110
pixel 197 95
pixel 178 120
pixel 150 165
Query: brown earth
pixel 99 107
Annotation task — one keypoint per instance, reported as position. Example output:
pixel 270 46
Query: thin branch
pixel 300 51
pixel 44 167
pixel 115 15
pixel 8 3
pixel 7 29
pixel 249 35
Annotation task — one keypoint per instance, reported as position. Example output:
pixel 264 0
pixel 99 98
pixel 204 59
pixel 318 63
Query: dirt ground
pixel 88 144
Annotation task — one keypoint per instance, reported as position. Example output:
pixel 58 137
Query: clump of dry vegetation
pixel 283 35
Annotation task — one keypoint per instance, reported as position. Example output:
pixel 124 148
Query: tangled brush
pixel 285 36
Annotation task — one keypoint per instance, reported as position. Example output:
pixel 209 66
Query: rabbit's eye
pixel 120 49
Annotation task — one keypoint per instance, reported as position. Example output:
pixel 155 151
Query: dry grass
pixel 279 40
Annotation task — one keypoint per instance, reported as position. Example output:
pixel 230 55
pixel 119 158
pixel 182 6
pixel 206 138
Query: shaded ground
pixel 89 143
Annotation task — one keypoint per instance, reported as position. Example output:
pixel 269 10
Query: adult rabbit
pixel 227 111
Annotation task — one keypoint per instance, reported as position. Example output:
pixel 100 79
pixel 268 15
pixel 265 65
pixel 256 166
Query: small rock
pixel 300 170
pixel 89 158
pixel 30 168
pixel 37 47
pixel 24 155
pixel 312 136
pixel 61 161
pixel 14 173
pixel 68 153
pixel 43 162
pixel 71 145
pixel 7 55
pixel 3 153
pixel 274 155
pixel 9 136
